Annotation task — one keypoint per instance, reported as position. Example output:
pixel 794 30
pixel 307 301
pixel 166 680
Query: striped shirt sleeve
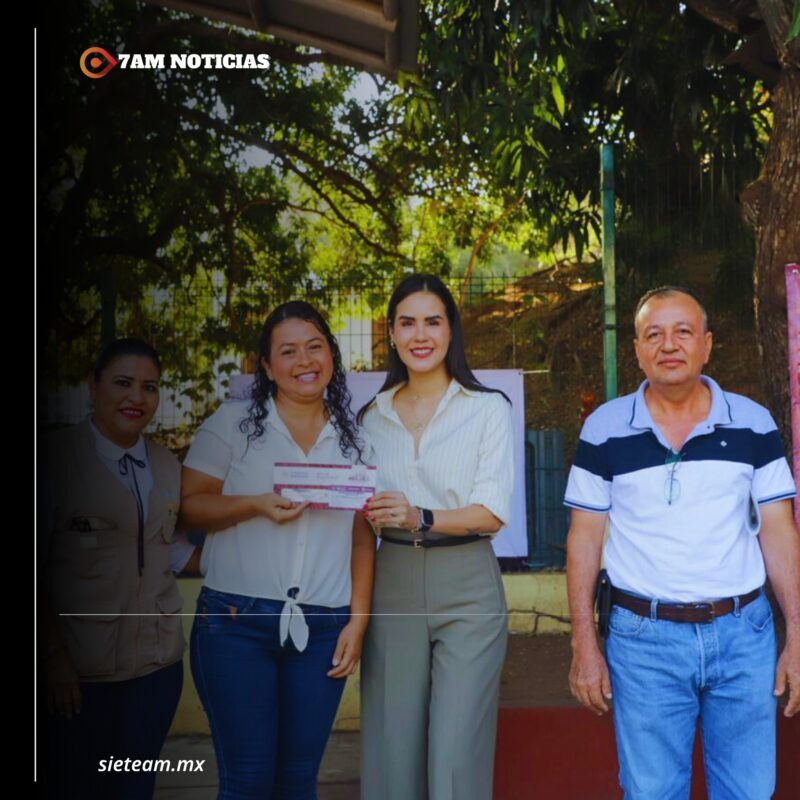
pixel 772 478
pixel 495 476
pixel 589 482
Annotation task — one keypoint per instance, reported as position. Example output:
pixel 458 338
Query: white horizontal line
pixel 278 614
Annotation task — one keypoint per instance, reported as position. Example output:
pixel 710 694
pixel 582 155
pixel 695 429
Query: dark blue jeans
pixel 270 708
pixel 120 719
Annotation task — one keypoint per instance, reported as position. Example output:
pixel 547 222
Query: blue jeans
pixel 667 675
pixel 270 708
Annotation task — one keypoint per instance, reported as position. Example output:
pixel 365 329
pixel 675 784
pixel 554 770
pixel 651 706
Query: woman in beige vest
pixel 112 644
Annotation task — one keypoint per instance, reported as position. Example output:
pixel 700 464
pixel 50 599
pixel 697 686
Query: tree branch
pixel 143 247
pixel 777 15
pixel 724 14
pixel 481 241
pixel 756 55
pixel 342 180
pixel 314 186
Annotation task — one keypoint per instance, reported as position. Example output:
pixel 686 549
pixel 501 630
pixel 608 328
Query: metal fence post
pixel 609 272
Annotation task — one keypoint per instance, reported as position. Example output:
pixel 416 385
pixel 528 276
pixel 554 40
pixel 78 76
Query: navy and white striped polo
pixel 682 526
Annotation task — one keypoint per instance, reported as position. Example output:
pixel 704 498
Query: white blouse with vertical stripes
pixel 465 454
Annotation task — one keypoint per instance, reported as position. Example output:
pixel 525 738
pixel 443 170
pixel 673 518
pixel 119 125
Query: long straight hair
pixel 456 359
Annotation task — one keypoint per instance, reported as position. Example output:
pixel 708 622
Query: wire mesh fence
pixel 198 363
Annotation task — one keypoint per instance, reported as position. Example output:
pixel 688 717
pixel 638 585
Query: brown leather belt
pixel 450 541
pixel 681 612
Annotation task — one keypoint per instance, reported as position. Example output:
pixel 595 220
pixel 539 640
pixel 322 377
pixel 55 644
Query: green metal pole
pixel 609 272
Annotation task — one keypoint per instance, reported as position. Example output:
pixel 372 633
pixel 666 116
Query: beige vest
pixel 117 624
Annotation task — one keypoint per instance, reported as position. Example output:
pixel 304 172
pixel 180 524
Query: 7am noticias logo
pixel 97 62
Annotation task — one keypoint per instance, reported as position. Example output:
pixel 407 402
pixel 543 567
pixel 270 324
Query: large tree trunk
pixel 772 205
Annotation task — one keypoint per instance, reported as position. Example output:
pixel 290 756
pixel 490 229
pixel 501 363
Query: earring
pixel 392 344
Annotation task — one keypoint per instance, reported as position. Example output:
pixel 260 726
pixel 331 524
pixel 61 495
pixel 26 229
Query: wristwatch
pixel 425 521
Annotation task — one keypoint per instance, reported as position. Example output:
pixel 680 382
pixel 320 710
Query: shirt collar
pixel 274 419
pixel 719 413
pixel 384 399
pixel 107 449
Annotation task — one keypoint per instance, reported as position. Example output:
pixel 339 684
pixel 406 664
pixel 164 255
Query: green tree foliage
pixel 182 204
pixel 519 95
pixel 202 184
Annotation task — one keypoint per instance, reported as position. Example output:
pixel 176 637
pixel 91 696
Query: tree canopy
pixel 226 189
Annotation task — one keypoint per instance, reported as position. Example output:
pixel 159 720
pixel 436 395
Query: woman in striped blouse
pixel 435 646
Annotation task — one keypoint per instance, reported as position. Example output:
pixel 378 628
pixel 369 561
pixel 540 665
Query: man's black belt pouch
pixel 602 602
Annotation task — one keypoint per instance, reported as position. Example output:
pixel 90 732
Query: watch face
pixel 427 518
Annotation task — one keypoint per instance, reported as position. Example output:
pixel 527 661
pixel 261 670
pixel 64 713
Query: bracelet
pixel 417 527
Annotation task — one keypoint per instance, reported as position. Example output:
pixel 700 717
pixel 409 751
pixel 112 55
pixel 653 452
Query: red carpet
pixel 569 754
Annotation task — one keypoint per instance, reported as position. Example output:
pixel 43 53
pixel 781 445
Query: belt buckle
pixel 708 607
pixel 417 543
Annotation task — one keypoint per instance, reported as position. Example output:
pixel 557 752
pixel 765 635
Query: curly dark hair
pixel 337 395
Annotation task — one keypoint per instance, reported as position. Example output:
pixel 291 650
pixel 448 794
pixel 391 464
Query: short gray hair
pixel 669 291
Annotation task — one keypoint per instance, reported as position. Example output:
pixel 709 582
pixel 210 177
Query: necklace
pixel 421 424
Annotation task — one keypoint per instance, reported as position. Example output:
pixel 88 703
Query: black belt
pixel 450 541
pixel 681 612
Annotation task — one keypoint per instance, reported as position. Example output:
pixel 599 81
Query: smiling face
pixel 672 345
pixel 300 360
pixel 125 398
pixel 421 332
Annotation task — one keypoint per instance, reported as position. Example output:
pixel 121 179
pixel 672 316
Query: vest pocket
pixel 168 522
pixel 170 627
pixel 92 640
pixel 88 555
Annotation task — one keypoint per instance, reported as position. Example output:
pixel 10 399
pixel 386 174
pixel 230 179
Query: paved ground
pixel 338 776
pixel 534 674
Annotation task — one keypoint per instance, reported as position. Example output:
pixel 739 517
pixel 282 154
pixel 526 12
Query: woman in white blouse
pixel 435 647
pixel 284 606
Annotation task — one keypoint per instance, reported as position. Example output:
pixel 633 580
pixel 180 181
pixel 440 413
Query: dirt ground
pixel 534 674
pixel 535 671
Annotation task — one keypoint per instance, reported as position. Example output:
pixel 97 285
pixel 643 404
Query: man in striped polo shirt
pixel 696 490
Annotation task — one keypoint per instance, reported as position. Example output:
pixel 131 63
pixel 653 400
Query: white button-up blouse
pixel 465 456
pixel 258 557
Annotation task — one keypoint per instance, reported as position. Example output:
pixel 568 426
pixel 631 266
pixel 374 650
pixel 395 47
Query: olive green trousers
pixel 430 673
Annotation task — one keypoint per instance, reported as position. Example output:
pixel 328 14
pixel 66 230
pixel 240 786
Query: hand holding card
pixel 326 486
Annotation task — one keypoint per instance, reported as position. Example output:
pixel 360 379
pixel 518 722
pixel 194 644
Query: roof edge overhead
pixel 376 35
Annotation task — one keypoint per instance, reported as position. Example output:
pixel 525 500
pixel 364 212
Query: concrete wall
pixel 537 603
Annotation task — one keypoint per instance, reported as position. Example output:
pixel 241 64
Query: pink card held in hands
pixel 329 486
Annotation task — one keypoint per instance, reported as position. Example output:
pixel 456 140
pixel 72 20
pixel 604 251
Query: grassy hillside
pixel 553 321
